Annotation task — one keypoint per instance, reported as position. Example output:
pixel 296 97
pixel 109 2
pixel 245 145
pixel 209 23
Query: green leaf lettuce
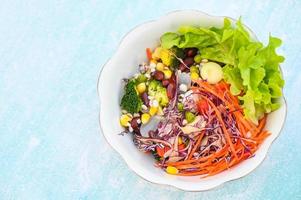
pixel 251 69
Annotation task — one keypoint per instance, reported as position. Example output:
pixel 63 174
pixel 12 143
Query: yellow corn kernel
pixel 145 118
pixel 141 87
pixel 160 66
pixel 153 61
pixel 172 170
pixel 180 141
pixel 153 110
pixel 157 53
pixel 194 76
pixel 165 57
pixel 124 120
pixel 167 74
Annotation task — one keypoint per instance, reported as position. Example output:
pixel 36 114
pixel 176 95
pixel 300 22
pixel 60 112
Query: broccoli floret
pixel 152 87
pixel 131 101
pixel 161 96
pixel 156 89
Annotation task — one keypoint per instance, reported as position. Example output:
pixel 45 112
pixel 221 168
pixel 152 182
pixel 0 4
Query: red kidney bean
pixel 173 78
pixel 134 123
pixel 165 82
pixel 188 61
pixel 191 52
pixel 158 75
pixel 137 131
pixel 145 99
pixel 171 90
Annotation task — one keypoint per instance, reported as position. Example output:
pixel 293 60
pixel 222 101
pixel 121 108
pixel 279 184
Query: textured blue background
pixel 50 56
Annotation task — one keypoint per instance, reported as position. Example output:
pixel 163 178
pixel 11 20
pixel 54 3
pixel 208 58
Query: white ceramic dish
pixel 123 64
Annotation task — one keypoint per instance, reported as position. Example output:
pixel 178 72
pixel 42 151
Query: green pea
pixel 194 69
pixel 198 58
pixel 189 116
pixel 180 107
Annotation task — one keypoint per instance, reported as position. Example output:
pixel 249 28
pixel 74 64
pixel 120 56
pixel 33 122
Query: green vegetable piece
pixel 194 69
pixel 189 116
pixel 198 58
pixel 141 78
pixel 156 89
pixel 232 76
pixel 176 54
pixel 152 87
pixel 131 101
pixel 169 40
pixel 161 96
pixel 174 63
pixel 180 107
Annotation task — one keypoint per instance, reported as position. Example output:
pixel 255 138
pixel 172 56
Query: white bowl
pixel 124 63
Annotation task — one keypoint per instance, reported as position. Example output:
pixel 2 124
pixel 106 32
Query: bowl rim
pixel 99 94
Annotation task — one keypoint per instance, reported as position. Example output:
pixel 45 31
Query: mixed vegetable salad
pixel 200 103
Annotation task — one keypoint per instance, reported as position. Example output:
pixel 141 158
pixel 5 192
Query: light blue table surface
pixel 51 53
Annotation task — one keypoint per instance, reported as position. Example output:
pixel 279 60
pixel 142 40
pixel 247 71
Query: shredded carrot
pixel 197 144
pixel 149 53
pixel 241 129
pixel 202 159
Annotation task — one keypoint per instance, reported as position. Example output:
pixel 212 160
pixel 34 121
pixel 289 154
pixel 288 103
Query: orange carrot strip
pixel 241 128
pixel 208 163
pixel 187 166
pixel 202 159
pixel 193 173
pixel 221 167
pixel 198 142
pixel 149 53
